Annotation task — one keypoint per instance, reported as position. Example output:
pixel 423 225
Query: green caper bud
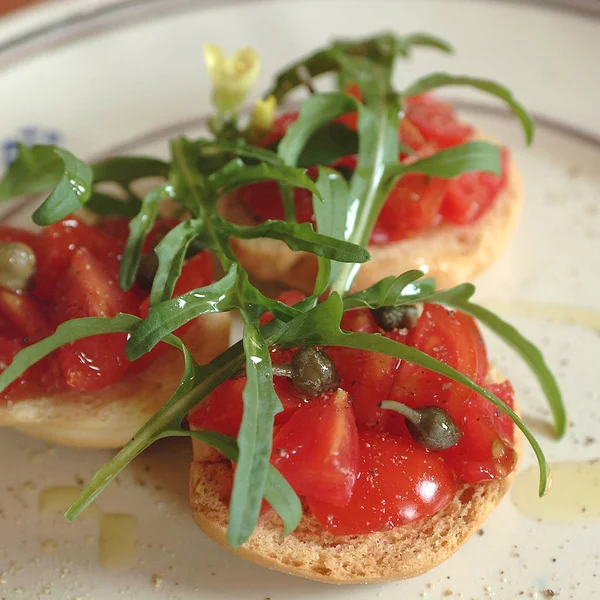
pixel 313 372
pixel 397 317
pixel 17 265
pixel 429 426
pixel 147 271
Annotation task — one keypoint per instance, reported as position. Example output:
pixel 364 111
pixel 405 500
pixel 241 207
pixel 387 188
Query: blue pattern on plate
pixel 29 136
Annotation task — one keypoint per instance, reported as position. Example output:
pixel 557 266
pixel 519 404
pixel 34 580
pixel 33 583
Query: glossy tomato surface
pixel 317 449
pixel 398 483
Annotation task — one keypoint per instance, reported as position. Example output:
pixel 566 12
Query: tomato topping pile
pixel 357 465
pixel 417 202
pixel 76 275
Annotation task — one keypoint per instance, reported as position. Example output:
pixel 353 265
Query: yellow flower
pixel 262 117
pixel 232 77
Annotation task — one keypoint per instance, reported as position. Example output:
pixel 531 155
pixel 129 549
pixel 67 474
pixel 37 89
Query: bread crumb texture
pixel 313 553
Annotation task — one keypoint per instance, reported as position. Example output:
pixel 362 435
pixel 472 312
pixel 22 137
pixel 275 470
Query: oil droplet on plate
pixel 117 548
pixel 118 540
pixel 57 499
pixel 585 317
pixel 573 497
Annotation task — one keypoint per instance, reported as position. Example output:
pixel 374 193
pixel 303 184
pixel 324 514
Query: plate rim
pixel 102 14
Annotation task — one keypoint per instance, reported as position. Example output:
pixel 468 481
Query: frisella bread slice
pixel 449 252
pixel 314 553
pixel 87 393
pixel 109 417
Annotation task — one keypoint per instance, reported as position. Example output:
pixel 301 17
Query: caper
pixel 397 317
pixel 17 265
pixel 147 271
pixel 430 426
pixel 313 372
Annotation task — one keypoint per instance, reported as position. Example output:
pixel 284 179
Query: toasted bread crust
pixel 313 553
pixel 451 254
pixel 108 418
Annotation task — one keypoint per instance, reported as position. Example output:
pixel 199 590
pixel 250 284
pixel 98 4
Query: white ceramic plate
pixel 105 77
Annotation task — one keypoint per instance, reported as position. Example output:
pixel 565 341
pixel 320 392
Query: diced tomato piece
pixel 471 195
pixel 289 297
pixel 117 228
pixel 59 241
pixel 453 338
pixel 412 206
pixel 158 232
pixel 197 272
pixel 264 201
pixel 412 137
pixel 280 126
pixel 90 288
pixel 222 410
pixel 25 314
pixel 437 121
pixel 317 449
pixel 366 376
pixel 359 321
pixel 503 423
pixel 398 483
pixel 43 377
pixel 482 452
pixel 350 120
pixel 9 348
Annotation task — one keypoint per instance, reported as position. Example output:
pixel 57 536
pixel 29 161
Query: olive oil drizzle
pixel 118 535
pixel 560 313
pixel 574 496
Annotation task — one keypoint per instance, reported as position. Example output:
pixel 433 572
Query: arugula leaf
pixel 330 215
pixel 139 228
pixel 171 252
pixel 387 292
pixel 327 144
pixel 239 148
pixel 301 236
pixel 437 80
pixel 104 205
pixel 255 438
pixel 528 352
pixel 379 50
pixel 35 169
pixel 71 192
pixel 378 148
pixel 167 418
pixel 406 43
pixel 315 112
pixel 449 163
pixel 126 169
pixel 67 332
pixel 278 492
pixel 237 174
pixel 167 316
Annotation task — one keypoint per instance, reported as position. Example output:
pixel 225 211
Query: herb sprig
pixel 202 171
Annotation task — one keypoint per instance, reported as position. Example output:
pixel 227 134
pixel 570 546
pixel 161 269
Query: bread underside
pixel 108 418
pixel 313 553
pixel 452 254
